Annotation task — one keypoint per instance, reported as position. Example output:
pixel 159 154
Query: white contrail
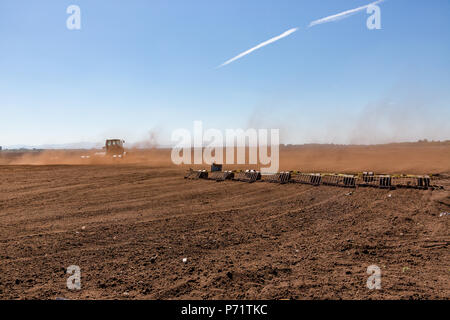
pixel 342 14
pixel 262 44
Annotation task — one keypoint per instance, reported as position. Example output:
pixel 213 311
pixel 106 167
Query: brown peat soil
pixel 128 225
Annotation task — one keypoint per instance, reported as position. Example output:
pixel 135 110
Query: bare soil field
pixel 128 226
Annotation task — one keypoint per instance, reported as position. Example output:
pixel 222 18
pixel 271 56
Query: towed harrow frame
pixel 365 179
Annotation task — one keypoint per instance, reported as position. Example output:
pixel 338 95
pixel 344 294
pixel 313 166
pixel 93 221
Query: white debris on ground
pixel 184 260
pixel 443 214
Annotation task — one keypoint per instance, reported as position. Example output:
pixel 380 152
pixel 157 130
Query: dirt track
pixel 241 240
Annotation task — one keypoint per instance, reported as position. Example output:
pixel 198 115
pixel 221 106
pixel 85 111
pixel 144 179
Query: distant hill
pixel 76 145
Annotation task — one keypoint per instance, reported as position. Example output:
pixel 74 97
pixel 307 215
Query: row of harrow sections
pixel 365 179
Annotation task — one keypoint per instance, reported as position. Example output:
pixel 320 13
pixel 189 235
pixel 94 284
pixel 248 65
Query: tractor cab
pixel 114 147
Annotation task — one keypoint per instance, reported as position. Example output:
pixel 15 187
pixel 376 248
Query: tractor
pixel 114 148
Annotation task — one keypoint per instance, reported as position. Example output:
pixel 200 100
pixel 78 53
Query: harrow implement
pixel 369 179
pixel 365 179
pixel 339 180
pixel 408 181
pixel 221 175
pixel 196 174
pixel 247 176
pixel 307 178
pixel 281 177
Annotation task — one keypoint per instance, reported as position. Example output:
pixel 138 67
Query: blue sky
pixel 140 66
